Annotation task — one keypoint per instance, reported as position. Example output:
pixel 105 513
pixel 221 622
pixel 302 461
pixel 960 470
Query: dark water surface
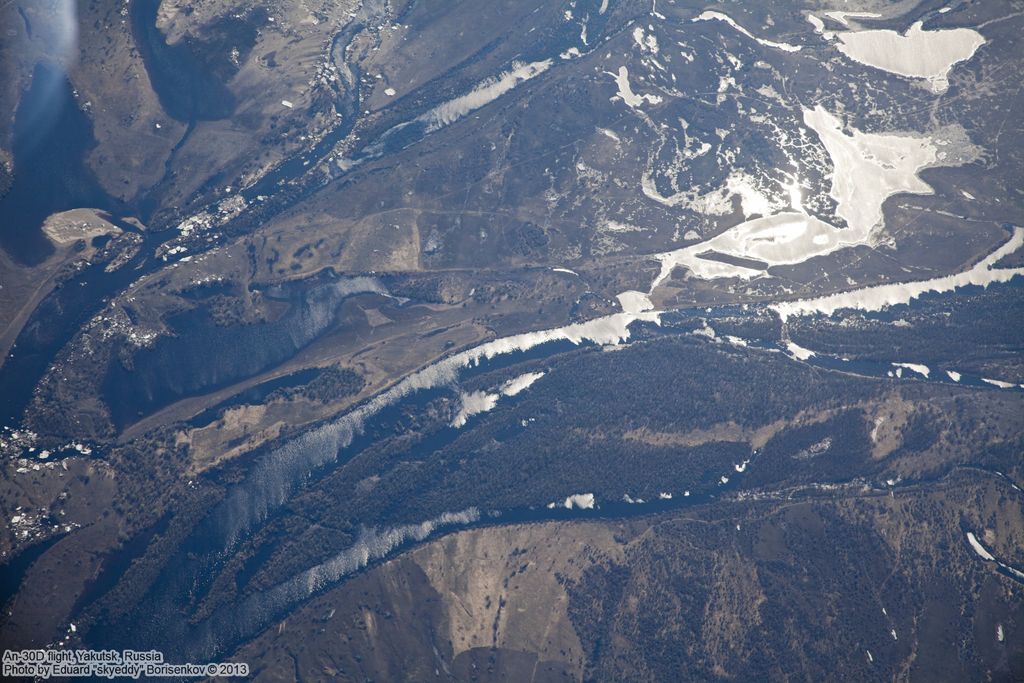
pixel 190 84
pixel 51 139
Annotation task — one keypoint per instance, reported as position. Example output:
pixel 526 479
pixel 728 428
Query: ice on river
pixel 880 297
pixel 979 548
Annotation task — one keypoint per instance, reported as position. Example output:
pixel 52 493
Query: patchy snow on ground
pixel 915 54
pixel 998 383
pixel 868 168
pixel 753 201
pixel 953 375
pixel 646 42
pixel 781 239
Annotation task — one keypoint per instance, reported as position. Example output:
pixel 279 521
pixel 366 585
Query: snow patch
pixel 484 93
pixel 520 383
pixel 819 27
pixel 799 352
pixel 647 43
pixel 476 402
pixel 979 548
pixel 705 330
pixel 916 367
pixel 709 16
pixel 634 302
pixel 626 92
pixel 580 501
